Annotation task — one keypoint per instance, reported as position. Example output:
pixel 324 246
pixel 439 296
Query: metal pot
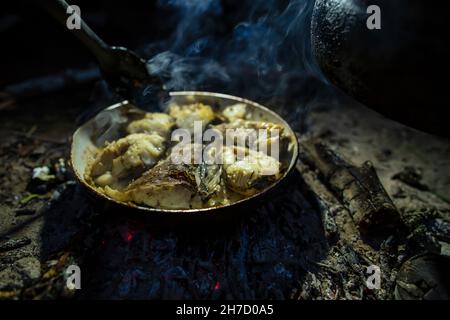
pixel 393 70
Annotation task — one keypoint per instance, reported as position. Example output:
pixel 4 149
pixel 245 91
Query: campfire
pixel 363 213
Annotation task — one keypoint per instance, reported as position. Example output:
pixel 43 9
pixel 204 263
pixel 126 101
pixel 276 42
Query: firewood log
pixel 358 188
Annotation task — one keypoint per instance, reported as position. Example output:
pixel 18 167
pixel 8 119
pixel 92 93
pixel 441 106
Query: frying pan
pixel 126 72
pixel 91 136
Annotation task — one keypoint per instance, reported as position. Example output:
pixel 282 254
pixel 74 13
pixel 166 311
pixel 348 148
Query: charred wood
pixel 358 188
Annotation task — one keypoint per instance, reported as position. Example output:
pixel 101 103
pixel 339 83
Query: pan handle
pixel 123 69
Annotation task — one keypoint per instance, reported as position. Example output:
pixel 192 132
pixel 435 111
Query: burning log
pixel 358 188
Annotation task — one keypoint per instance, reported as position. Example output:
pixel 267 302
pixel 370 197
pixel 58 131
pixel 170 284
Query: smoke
pixel 192 15
pixel 256 49
pixel 186 73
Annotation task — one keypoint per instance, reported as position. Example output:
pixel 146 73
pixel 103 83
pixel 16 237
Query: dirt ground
pixel 413 167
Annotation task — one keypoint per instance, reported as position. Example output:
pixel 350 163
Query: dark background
pixel 35 45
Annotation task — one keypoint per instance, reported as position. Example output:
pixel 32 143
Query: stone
pixel 29 266
pixel 10 279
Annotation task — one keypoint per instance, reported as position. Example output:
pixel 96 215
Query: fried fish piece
pixel 152 123
pixel 126 156
pixel 175 183
pixel 207 176
pixel 247 171
pixel 256 135
pixel 186 115
pixel 166 185
pixel 186 153
pixel 235 111
pixel 271 127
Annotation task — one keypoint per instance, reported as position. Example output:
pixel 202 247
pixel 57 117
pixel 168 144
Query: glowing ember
pixel 129 236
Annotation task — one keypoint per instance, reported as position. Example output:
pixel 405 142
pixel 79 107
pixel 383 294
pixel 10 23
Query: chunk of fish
pixel 186 115
pixel 166 186
pixel 152 123
pixel 235 111
pixel 131 154
pixel 247 171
